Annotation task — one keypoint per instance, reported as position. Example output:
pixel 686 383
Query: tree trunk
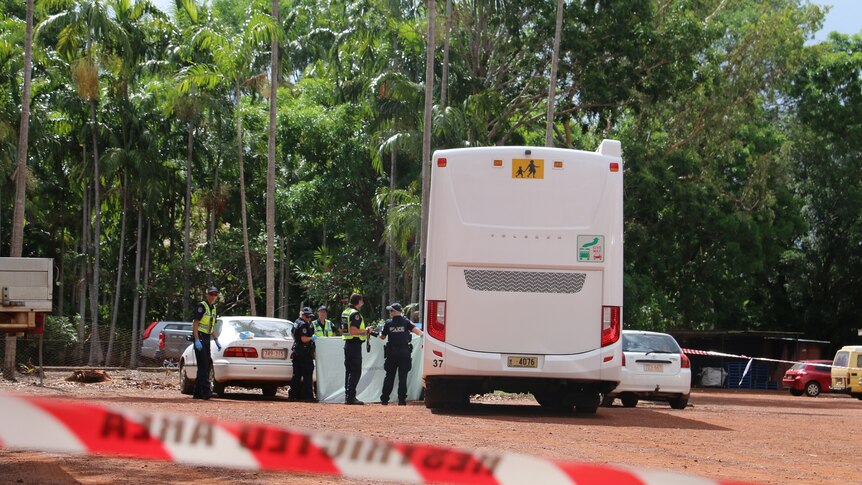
pixel 83 257
pixel 270 172
pixel 426 141
pixel 552 86
pixel 17 247
pixel 245 248
pixel 390 241
pixel 133 355
pixel 281 278
pixel 145 286
pixel 188 215
pixel 444 81
pixel 116 305
pixel 214 201
pixel 96 352
pixel 62 279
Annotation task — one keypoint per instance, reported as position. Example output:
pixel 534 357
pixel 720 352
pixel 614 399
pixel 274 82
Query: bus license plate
pixel 653 367
pixel 274 353
pixel 528 362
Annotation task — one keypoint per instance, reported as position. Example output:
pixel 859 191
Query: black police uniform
pixel 302 354
pixel 203 358
pixel 352 356
pixel 398 356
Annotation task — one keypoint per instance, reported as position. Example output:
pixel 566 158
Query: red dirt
pixel 765 437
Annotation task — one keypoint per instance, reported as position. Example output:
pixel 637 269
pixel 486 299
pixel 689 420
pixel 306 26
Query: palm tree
pixel 426 136
pixel 270 172
pixel 552 86
pixel 17 246
pixel 90 23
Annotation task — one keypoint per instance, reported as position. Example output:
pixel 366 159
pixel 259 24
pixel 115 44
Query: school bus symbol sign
pixel 528 168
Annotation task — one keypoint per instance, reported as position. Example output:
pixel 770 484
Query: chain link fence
pixel 63 348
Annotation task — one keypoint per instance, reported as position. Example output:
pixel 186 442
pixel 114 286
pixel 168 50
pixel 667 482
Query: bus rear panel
pixel 524 274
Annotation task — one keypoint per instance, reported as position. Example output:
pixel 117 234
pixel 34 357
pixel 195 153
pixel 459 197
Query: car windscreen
pixel 650 343
pixel 798 366
pixel 231 329
pixel 841 359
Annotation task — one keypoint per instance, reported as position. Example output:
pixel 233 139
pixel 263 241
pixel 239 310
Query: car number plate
pixel 653 367
pixel 521 361
pixel 274 353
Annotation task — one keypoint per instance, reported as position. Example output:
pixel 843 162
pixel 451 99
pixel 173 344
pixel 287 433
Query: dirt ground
pixel 763 437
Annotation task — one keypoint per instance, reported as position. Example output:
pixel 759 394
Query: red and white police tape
pixel 54 425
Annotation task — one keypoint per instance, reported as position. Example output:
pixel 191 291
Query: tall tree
pixel 17 246
pixel 552 85
pixel 426 140
pixel 270 170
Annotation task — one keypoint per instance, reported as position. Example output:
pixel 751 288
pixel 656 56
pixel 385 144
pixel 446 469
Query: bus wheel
pixel 555 401
pixel 451 395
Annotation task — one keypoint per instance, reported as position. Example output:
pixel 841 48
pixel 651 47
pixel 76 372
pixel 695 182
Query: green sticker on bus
pixel 591 249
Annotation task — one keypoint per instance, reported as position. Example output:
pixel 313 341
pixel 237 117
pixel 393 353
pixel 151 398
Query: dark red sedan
pixel 810 377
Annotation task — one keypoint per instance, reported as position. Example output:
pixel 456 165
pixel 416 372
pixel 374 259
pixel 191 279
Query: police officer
pixel 302 354
pixel 354 333
pixel 322 326
pixel 398 353
pixel 203 328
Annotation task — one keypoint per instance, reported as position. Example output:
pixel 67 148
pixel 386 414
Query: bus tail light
pixel 684 362
pixel 437 319
pixel 610 325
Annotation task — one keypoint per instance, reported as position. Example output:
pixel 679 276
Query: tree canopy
pixel 740 138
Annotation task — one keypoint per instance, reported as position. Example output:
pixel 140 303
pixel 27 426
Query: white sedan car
pixel 254 353
pixel 654 368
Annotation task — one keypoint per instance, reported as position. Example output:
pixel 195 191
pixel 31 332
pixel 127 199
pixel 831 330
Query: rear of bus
pixel 524 275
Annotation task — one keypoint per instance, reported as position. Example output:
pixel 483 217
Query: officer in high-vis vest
pixel 322 326
pixel 354 333
pixel 203 329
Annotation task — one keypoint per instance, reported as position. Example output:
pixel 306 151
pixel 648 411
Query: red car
pixel 808 377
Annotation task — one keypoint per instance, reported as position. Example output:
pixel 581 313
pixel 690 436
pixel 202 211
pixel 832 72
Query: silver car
pixel 255 353
pixel 165 340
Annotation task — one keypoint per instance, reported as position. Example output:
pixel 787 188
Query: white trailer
pixel 524 275
pixel 26 292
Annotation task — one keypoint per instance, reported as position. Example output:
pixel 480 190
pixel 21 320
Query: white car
pixel 254 353
pixel 654 368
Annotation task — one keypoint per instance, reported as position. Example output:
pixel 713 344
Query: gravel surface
pixel 764 437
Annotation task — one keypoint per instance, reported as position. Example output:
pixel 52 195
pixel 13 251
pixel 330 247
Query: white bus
pixel 524 275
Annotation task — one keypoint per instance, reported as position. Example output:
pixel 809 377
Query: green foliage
pixel 743 198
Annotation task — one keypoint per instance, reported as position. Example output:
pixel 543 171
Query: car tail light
pixel 148 330
pixel 247 352
pixel 161 340
pixel 684 362
pixel 437 319
pixel 610 325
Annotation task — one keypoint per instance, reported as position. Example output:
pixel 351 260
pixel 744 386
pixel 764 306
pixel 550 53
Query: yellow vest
pixel 207 322
pixel 345 325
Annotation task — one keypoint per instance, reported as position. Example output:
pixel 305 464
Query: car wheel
pixel 629 400
pixel 812 389
pixel 218 388
pixel 607 401
pixel 270 391
pixel 794 392
pixel 679 402
pixel 187 386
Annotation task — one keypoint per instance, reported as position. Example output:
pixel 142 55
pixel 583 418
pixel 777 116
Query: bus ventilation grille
pixel 524 281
